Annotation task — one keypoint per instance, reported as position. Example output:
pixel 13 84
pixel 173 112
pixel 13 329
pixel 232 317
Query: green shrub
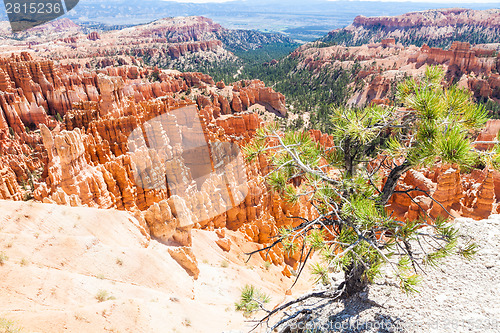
pixel 103 295
pixel 3 258
pixel 251 300
pixel 7 326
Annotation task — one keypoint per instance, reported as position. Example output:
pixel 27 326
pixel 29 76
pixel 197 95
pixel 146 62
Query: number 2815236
pixel 33 8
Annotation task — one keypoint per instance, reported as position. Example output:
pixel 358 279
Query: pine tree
pixel 352 230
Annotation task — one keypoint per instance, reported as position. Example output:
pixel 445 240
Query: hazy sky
pixel 433 1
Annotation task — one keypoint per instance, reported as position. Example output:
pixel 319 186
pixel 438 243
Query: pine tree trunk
pixel 392 181
pixel 355 280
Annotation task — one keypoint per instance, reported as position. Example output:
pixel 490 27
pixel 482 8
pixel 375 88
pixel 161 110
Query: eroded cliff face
pixel 438 27
pixel 382 65
pixel 66 139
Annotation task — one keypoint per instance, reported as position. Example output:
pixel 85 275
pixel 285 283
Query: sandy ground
pixel 61 258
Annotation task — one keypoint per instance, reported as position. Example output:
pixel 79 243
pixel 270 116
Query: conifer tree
pixel 352 230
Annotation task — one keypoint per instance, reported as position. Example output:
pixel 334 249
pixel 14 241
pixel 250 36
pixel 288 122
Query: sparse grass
pixel 23 262
pixel 205 261
pixel 103 295
pixel 267 265
pixel 250 299
pixel 7 326
pixel 187 322
pixel 100 276
pixel 79 317
pixel 119 261
pixel 3 258
pixel 321 273
pixel 224 264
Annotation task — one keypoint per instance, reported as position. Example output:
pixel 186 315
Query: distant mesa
pixel 437 28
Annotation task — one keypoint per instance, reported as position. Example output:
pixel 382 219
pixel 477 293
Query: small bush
pixel 224 264
pixel 119 261
pixel 103 295
pixel 321 273
pixel 267 265
pixel 7 326
pixel 250 301
pixel 3 258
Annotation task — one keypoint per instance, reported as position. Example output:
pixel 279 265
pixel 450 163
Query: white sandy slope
pixel 59 258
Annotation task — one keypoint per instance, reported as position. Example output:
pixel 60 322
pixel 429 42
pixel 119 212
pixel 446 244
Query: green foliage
pixel 443 121
pixel 3 258
pixel 409 282
pixel 58 117
pixel 103 295
pixel 493 108
pixel 316 239
pixel 469 251
pixel 8 326
pixel 154 76
pixel 321 273
pixel 251 300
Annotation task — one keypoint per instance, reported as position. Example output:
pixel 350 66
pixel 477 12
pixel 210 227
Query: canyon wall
pixel 382 65
pixel 439 28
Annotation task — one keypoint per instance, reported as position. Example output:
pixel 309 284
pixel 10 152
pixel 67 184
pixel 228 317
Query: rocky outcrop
pixel 94 35
pixel 179 50
pixel 185 257
pixel 9 188
pixel 432 18
pixel 460 58
pixel 165 146
pixel 254 91
pixel 475 194
pixel 448 194
pixel 445 192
